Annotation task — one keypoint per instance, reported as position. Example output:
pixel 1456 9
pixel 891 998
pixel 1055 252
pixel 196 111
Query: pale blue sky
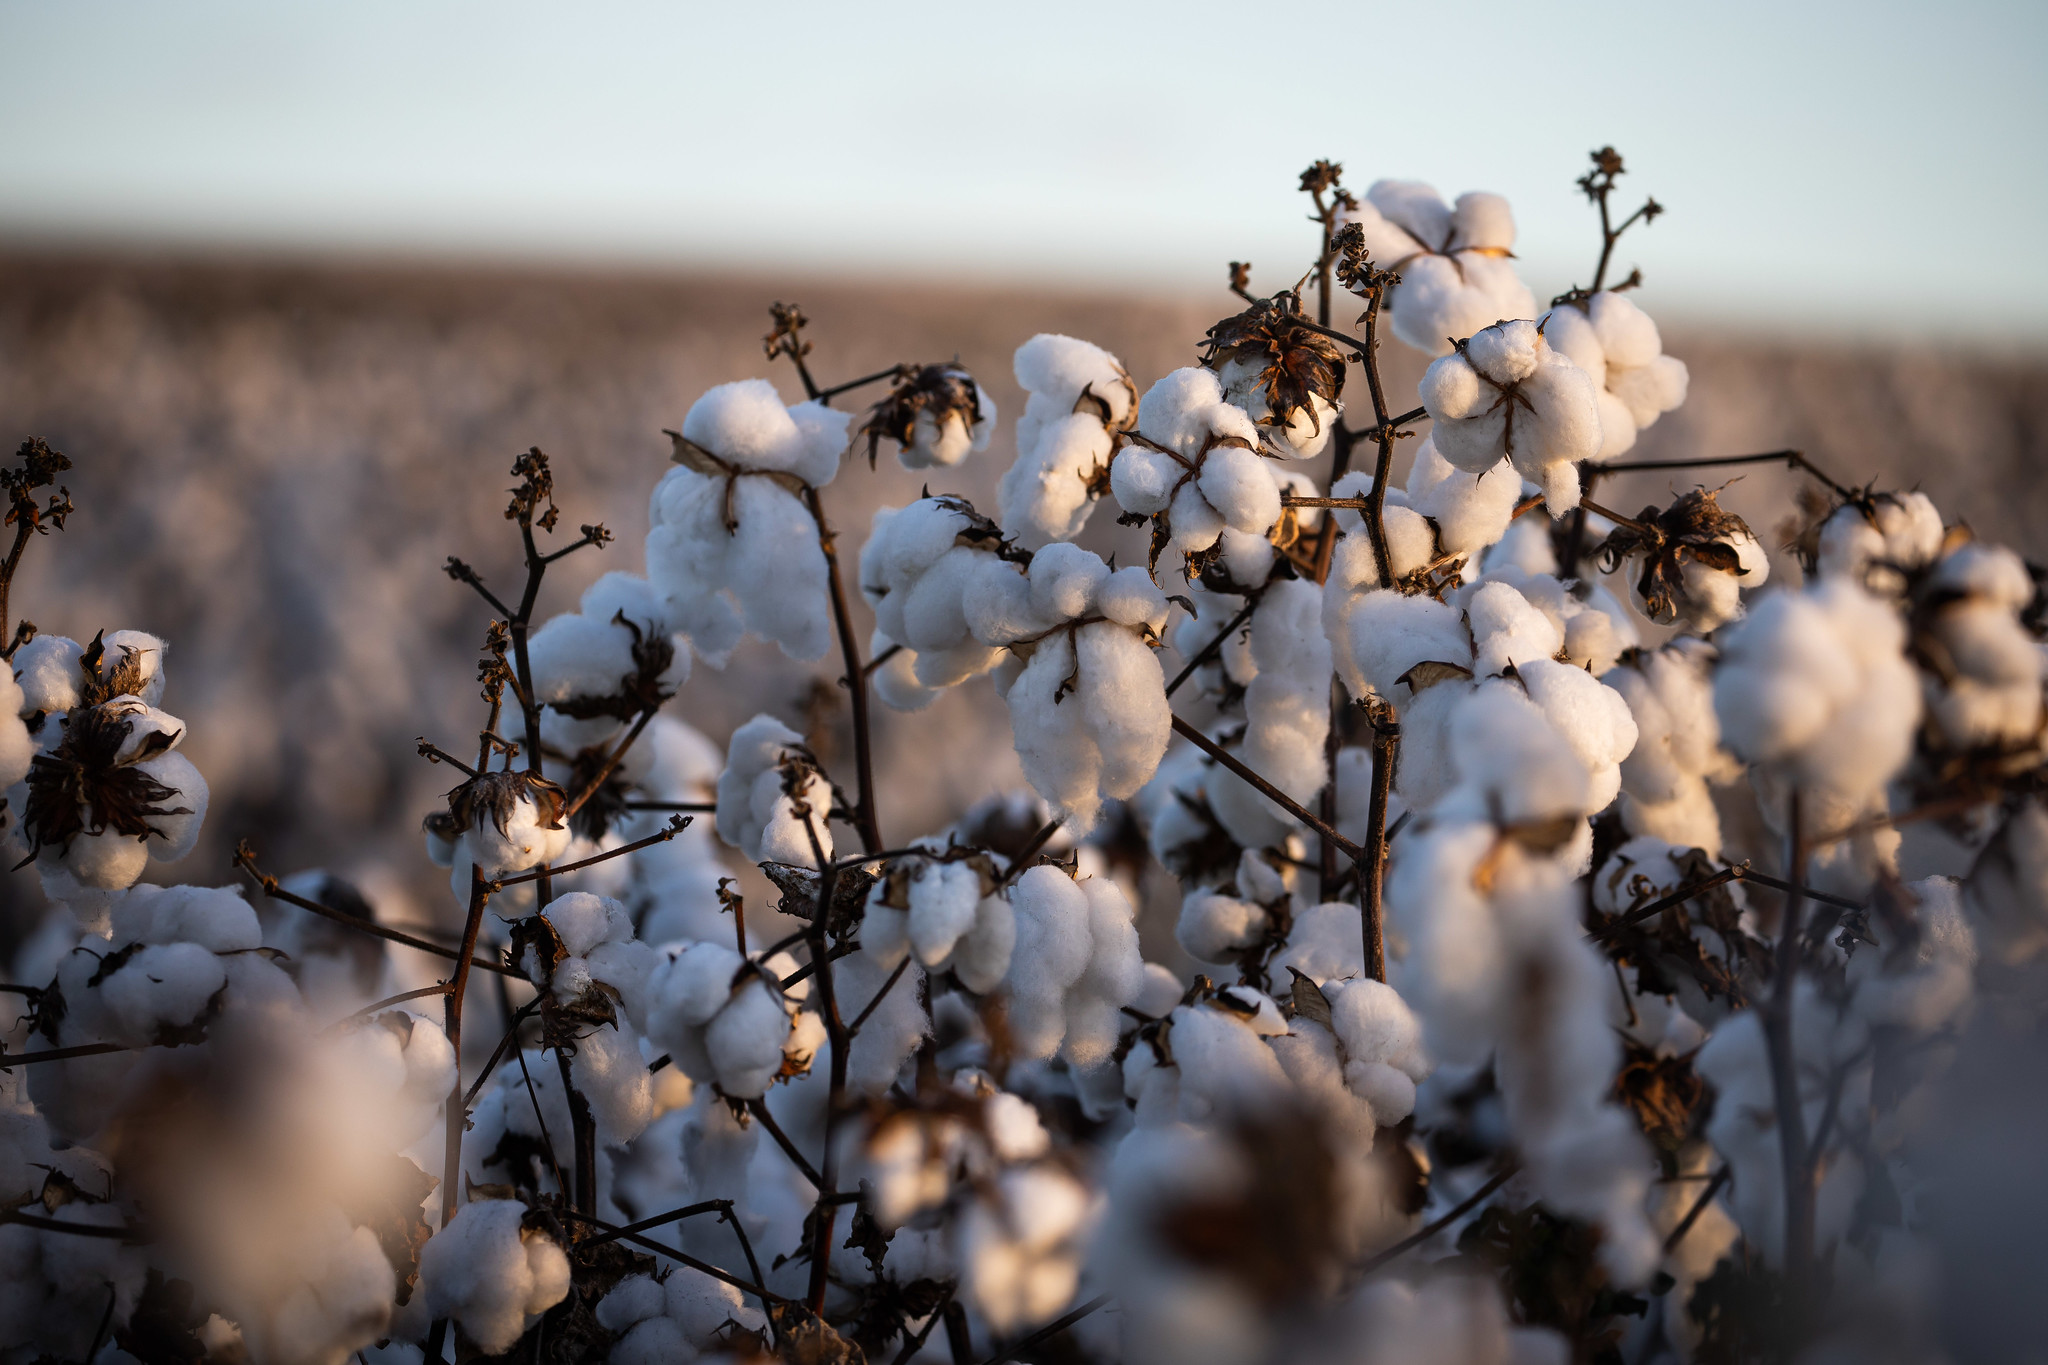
pixel 1846 166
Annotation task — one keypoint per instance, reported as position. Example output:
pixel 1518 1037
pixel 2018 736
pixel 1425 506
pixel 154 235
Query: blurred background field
pixel 274 457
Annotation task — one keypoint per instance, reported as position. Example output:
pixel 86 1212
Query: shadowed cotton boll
pixel 730 540
pixel 1077 396
pixel 1075 965
pixel 1455 261
pixel 1506 394
pixel 1664 779
pixel 755 814
pixel 935 415
pixel 1287 714
pixel 489 1274
pixel 914 572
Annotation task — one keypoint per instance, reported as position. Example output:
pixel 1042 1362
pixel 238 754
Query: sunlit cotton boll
pixel 1618 347
pixel 730 539
pixel 1507 395
pixel 1455 261
pixel 756 814
pixel 1077 394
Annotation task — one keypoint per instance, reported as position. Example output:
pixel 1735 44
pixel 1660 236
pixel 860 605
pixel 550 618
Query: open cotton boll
pixel 1088 713
pixel 728 529
pixel 1196 460
pixel 1513 767
pixel 1212 927
pixel 755 814
pixel 1114 977
pixel 1455 263
pixel 1592 717
pixel 108 794
pixel 1817 682
pixel 490 1275
pixel 1077 396
pixel 1287 715
pixel 1670 692
pixel 1985 690
pixel 604 662
pixel 1471 511
pixel 1381 1042
pixel 915 570
pixel 47 671
pixel 215 918
pixel 1618 346
pixel 1379 641
pixel 1021 1257
pixel 1874 540
pixel 1054 941
pixel 1507 395
pixel 935 415
pixel 1508 630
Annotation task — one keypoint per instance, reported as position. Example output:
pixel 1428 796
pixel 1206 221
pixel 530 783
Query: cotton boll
pixel 1521 401
pixel 1385 635
pixel 983 956
pixel 745 1040
pixel 1863 540
pixel 48 674
pixel 1115 974
pixel 1287 714
pixel 755 815
pixel 1597 631
pixel 1592 717
pixel 1456 270
pixel 1022 1257
pixel 489 1275
pixel 1078 394
pixel 894 1027
pixel 612 1077
pixel 1471 511
pixel 1054 941
pixel 1508 630
pixel 1212 927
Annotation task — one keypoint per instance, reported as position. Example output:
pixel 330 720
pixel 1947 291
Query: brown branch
pixel 1267 789
pixel 438 988
pixel 1022 861
pixel 856 680
pixel 1416 1239
pixel 119 1233
pixel 458 1117
pixel 766 1296
pixel 1213 648
pixel 245 859
pixel 759 1109
pixel 1795 1169
pixel 1386 747
pixel 1047 1332
pixel 1795 459
pixel 1699 1206
pixel 610 765
pixel 853 1029
pixel 434 753
pixel 10 1060
pixel 504 1041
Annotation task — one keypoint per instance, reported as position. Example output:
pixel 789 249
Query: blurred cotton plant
pixel 1509 1045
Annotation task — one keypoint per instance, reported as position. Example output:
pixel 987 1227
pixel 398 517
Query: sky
pixel 1873 167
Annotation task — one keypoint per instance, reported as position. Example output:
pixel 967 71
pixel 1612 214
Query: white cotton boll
pixel 1508 630
pixel 703 1306
pixel 943 898
pixel 635 1298
pixel 1678 750
pixel 982 958
pixel 488 1275
pixel 1324 943
pixel 215 918
pixel 1239 484
pixel 1471 511
pixel 688 547
pixel 1512 766
pixel 690 987
pixel 1456 272
pixel 1045 497
pixel 1143 480
pixel 1022 1258
pixel 1597 631
pixel 612 1076
pixel 1929 991
pixel 1522 401
pixel 1287 714
pixel 584 921
pixel 165 986
pixel 1817 682
pixel 1054 746
pixel 1389 633
pixel 751 801
pixel 1213 926
pixel 1064 579
pixel 1054 941
pixel 895 682
pixel 894 1028
pixel 1114 976
pixel 1902 529
pixel 47 670
pixel 1064 369
pixel 777 571
pixel 1592 717
pixel 1129 597
pixel 1123 695
pixel 744 1041
pixel 17 746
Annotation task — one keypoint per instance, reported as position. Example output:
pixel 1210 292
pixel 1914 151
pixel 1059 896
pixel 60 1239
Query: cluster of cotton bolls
pixel 1509 971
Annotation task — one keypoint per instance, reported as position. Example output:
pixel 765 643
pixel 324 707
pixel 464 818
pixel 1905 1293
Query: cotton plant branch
pixel 1796 1169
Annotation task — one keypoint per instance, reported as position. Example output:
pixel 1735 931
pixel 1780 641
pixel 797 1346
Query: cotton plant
pixel 1532 934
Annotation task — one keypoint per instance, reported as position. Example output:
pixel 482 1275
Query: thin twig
pixel 1266 789
pixel 759 1109
pixel 504 1041
pixel 610 765
pixel 1214 647
pixel 853 1029
pixel 765 1295
pixel 1022 862
pixel 1699 1206
pixel 119 1233
pixel 245 859
pixel 458 1117
pixel 438 988
pixel 1796 1170
pixel 10 1060
pixel 856 680
pixel 1047 1332
pixel 1416 1239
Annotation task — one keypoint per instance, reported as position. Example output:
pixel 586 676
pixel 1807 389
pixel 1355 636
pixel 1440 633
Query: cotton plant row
pixel 1489 1012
